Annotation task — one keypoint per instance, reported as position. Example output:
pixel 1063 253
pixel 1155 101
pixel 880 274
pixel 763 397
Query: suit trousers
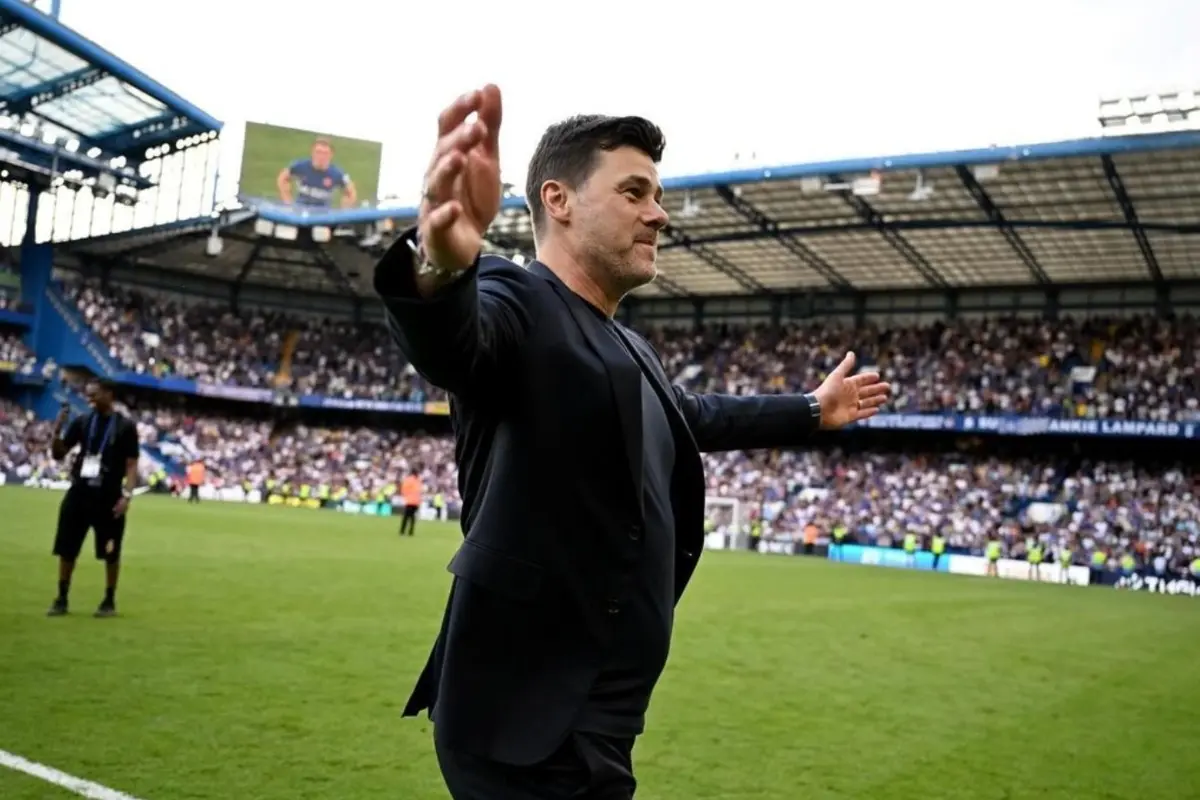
pixel 587 766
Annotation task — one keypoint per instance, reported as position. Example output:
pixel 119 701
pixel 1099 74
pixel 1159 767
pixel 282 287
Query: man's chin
pixel 641 277
pixel 647 271
pixel 636 273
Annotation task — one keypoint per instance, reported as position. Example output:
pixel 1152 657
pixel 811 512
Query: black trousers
pixel 588 766
pixel 409 521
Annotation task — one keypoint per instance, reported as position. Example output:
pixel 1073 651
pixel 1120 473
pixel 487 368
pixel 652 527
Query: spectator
pixel 13 351
pixel 1136 368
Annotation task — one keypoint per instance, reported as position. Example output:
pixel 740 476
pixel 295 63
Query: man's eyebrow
pixel 644 183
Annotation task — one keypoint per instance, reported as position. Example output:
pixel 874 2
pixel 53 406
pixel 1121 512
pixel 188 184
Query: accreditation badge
pixel 89 470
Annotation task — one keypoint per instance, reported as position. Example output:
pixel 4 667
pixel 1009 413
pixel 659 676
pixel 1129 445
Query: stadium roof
pixel 1103 210
pixel 64 97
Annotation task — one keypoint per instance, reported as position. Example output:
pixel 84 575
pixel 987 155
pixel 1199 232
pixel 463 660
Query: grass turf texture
pixel 265 652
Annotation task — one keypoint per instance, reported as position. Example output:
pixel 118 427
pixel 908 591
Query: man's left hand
pixel 847 398
pixel 121 507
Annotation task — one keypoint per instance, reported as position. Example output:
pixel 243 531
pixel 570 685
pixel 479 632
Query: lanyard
pixel 112 419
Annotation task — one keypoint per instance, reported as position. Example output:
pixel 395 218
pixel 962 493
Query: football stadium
pixel 989 590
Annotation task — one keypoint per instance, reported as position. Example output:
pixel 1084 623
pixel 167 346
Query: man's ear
pixel 557 201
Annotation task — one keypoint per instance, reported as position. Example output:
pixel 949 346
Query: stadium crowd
pixel 1135 368
pixel 1118 507
pixel 1138 367
pixel 340 359
pixel 209 342
pixel 167 338
pixel 25 445
pixel 14 352
pixel 10 281
pixel 258 453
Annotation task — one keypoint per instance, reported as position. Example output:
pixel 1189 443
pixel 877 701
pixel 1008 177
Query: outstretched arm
pixel 727 422
pixel 460 335
pixel 731 422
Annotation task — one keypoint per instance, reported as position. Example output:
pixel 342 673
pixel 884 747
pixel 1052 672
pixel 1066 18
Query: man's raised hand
pixel 462 192
pixel 847 398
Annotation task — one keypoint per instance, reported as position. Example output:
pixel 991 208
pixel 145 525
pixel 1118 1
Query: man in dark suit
pixel 579 461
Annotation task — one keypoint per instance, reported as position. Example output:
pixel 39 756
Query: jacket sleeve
pixel 462 338
pixel 729 422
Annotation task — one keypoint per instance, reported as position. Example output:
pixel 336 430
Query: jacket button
pixel 635 531
pixel 614 606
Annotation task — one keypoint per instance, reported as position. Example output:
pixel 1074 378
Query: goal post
pixel 724 526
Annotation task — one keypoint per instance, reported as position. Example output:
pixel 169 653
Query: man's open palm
pixel 462 186
pixel 847 398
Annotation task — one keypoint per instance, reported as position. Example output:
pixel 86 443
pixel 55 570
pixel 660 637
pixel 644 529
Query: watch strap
pixel 425 268
pixel 814 408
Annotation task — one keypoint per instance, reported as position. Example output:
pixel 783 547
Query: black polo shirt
pixel 618 700
pixel 113 439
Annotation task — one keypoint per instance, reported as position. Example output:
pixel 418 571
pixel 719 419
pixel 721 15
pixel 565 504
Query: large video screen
pixel 308 169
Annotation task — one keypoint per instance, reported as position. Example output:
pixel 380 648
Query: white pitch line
pixel 79 786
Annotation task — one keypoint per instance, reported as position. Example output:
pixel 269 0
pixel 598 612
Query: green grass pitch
pixel 265 653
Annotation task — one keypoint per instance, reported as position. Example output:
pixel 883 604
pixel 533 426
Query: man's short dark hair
pixel 567 151
pixel 104 385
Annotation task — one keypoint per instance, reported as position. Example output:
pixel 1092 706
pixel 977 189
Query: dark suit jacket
pixel 546 409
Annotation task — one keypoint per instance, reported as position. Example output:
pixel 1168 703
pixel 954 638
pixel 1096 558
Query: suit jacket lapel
pixel 625 376
pixel 688 479
pixel 662 385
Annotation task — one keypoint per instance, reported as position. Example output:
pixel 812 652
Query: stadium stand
pixel 158 337
pixel 1136 367
pixel 1034 306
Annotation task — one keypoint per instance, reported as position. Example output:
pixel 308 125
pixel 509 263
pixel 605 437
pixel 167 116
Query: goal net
pixel 724 526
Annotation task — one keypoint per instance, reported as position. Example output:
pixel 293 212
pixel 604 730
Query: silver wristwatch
pixel 814 408
pixel 425 267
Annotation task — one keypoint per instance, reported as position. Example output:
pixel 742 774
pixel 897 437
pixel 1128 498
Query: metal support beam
pixel 251 260
pixel 326 262
pixel 770 227
pixel 716 260
pixel 873 218
pixel 28 99
pixel 152 130
pixel 996 216
pixel 39 158
pixel 942 224
pixel 288 262
pixel 1131 218
pixel 979 296
pixel 154 247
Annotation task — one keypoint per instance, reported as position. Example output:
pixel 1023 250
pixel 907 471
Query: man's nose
pixel 658 217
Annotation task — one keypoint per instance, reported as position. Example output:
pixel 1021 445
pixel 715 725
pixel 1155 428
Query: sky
pixel 746 83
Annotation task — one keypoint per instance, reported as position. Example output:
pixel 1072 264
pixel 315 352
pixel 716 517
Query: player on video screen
pixel 317 178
